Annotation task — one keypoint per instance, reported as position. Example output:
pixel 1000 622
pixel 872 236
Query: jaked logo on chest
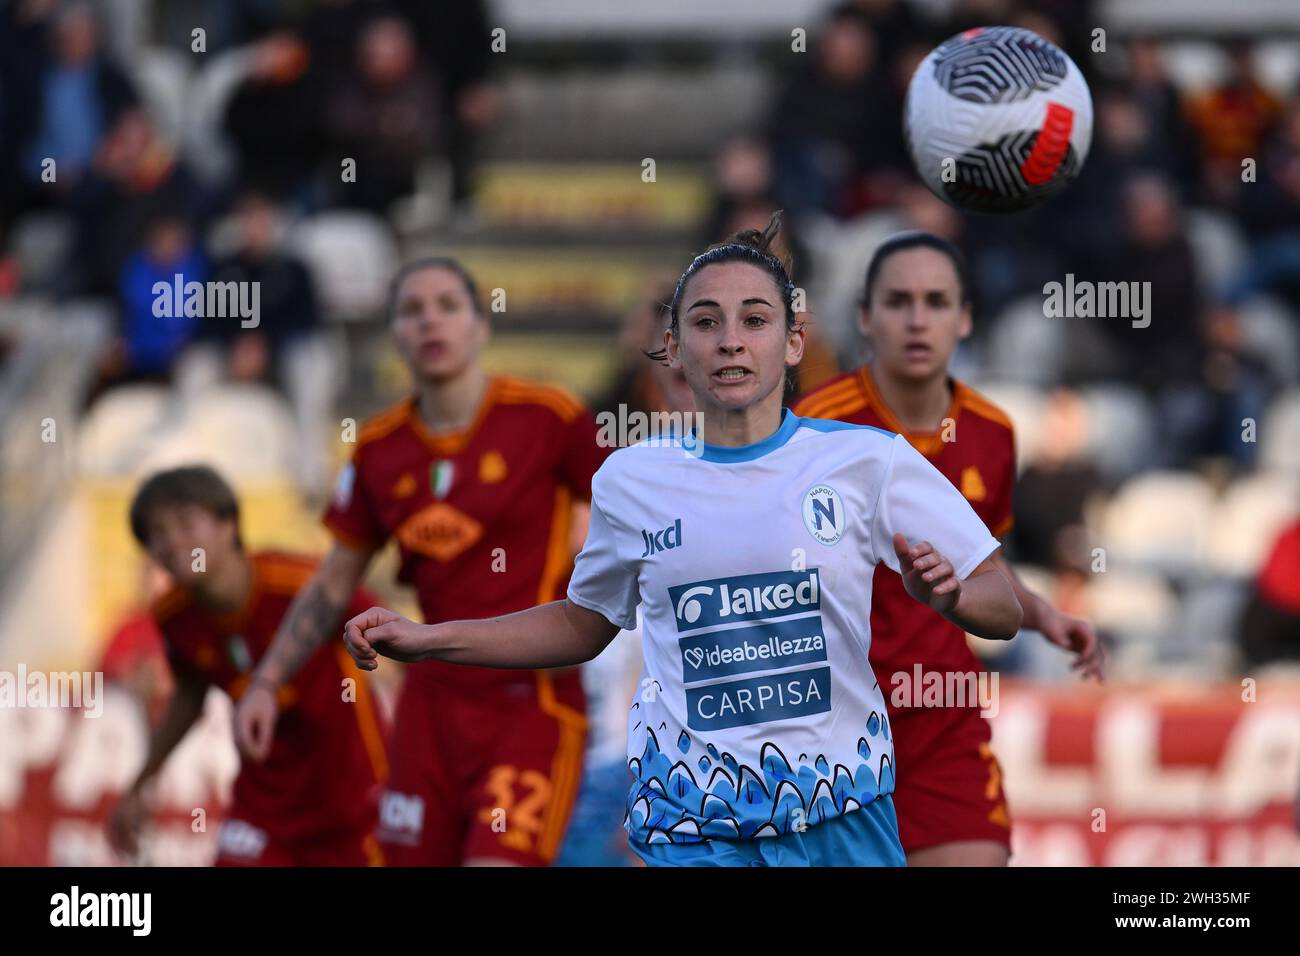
pixel 745 597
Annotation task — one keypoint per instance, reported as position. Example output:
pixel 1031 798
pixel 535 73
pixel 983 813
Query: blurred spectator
pixel 1238 384
pixel 742 177
pixel 1054 488
pixel 896 26
pixel 330 29
pixel 1270 212
pixel 1157 99
pixel 62 101
pixel 1270 627
pixel 1164 351
pixel 385 116
pixel 1126 141
pixel 1152 247
pixel 287 303
pixel 226 23
pixel 136 179
pixel 830 124
pixel 274 119
pixel 1271 204
pixel 153 330
pixel 455 40
pixel 287 348
pixel 1231 121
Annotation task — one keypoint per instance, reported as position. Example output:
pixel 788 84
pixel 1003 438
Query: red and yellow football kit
pixel 948 784
pixel 314 800
pixel 486 762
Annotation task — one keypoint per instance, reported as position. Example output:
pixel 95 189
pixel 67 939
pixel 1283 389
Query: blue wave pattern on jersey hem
pixel 668 805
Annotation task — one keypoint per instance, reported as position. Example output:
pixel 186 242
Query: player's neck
pixel 918 405
pixel 737 427
pixel 225 588
pixel 451 405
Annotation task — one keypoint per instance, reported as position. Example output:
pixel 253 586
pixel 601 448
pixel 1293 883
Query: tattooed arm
pixel 315 616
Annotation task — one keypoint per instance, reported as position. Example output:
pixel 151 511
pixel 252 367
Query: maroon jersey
pixel 975 450
pixel 482 516
pixel 327 761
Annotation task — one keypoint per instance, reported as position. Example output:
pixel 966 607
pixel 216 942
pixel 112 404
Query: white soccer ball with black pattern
pixel 997 119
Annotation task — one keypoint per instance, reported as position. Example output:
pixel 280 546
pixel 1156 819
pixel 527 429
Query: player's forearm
pixel 559 634
pixel 312 618
pixel 988 607
pixel 1032 605
pixel 184 709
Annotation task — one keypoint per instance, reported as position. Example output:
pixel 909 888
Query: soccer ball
pixel 997 119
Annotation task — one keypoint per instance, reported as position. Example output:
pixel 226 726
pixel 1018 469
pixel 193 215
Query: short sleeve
pixel 1001 515
pixel 350 515
pixel 581 455
pixel 917 501
pixel 601 582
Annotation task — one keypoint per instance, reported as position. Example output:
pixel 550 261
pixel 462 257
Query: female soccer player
pixel 476 477
pixel 314 801
pixel 916 308
pixel 759 735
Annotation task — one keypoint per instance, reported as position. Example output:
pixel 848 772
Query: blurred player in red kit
pixel 915 309
pixel 314 800
pixel 476 477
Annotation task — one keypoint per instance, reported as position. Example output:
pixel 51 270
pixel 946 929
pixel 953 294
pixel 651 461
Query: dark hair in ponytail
pixel 757 248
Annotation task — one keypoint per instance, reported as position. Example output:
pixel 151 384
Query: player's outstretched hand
pixel 125 821
pixel 1077 636
pixel 927 575
pixel 380 632
pixel 255 717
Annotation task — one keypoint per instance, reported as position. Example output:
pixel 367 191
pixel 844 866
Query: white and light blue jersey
pixel 758 712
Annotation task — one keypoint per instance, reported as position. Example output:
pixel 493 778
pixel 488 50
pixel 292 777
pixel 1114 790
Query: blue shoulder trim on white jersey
pixel 830 425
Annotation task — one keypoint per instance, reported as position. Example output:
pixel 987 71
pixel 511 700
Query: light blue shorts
pixel 864 837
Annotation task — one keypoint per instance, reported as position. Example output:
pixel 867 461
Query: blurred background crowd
pixel 515 136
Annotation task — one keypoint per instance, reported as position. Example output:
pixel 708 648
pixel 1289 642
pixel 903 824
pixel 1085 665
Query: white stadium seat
pixel 1024 405
pixel 1026 346
pixel 1159 520
pixel 119 426
pixel 1269 333
pixel 1132 606
pixel 1218 247
pixel 1247 519
pixel 352 256
pixel 248 431
pixel 40 242
pixel 1195 65
pixel 1279 433
pixel 1121 429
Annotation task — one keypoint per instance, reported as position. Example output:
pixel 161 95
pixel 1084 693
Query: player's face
pixel 732 343
pixel 436 326
pixel 174 532
pixel 916 316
